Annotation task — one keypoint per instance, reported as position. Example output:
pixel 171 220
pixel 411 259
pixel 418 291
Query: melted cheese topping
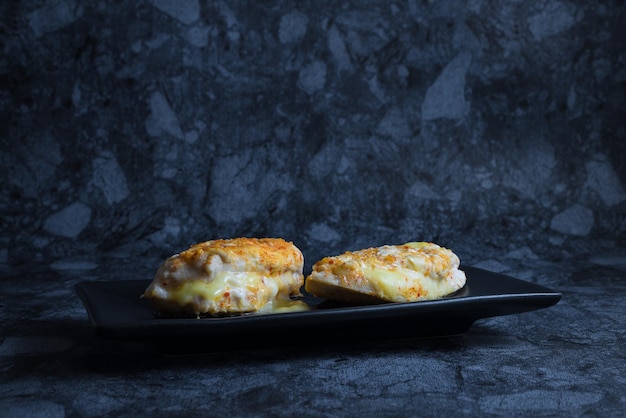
pixel 222 277
pixel 405 273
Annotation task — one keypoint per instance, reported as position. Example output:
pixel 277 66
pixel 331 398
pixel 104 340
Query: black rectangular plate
pixel 116 311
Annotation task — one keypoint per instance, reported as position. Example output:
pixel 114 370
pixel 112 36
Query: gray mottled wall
pixel 133 128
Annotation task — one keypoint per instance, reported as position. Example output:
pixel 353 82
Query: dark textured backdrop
pixel 132 128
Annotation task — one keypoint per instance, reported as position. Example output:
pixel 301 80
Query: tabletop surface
pixel 566 360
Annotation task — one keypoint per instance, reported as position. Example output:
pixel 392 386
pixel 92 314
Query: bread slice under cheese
pixel 401 273
pixel 230 276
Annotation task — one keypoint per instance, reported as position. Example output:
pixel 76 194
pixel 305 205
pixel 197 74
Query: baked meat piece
pixel 392 273
pixel 230 276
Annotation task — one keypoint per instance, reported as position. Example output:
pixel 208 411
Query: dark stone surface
pixel 130 130
pixel 567 360
pixel 147 126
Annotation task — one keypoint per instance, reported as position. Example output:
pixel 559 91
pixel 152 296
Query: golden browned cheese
pixel 401 273
pixel 230 276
